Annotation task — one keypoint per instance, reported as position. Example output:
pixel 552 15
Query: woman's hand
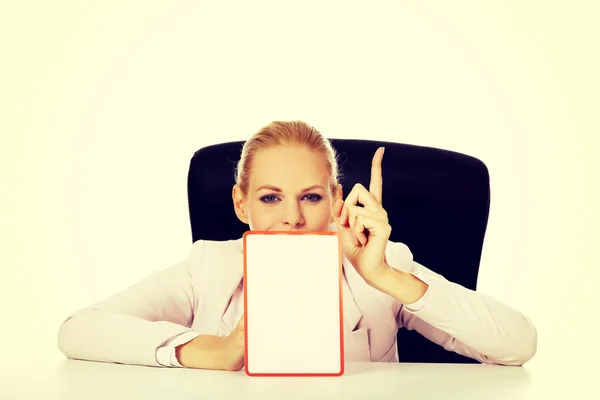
pixel 214 352
pixel 234 348
pixel 364 231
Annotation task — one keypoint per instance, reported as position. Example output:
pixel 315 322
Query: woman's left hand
pixel 364 231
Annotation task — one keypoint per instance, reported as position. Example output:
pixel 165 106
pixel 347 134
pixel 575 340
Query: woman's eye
pixel 313 197
pixel 268 199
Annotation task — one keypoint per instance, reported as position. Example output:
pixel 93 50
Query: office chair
pixel 437 203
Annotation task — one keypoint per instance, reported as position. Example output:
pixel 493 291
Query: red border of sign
pixel 246 310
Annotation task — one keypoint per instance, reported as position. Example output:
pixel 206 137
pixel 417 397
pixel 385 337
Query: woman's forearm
pixel 401 285
pixel 500 334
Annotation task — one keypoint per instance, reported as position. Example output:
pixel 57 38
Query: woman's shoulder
pixel 202 244
pixel 215 251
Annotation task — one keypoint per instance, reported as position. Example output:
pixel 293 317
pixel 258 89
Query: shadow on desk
pixel 91 380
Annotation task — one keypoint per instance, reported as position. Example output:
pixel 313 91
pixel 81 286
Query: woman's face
pixel 288 190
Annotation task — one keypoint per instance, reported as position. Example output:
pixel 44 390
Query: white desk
pixel 70 380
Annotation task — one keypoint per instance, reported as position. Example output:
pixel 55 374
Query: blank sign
pixel 293 304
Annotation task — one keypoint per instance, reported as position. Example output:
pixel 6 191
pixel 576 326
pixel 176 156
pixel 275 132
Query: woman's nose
pixel 293 217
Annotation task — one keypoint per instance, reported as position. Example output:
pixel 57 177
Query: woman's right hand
pixel 233 348
pixel 214 352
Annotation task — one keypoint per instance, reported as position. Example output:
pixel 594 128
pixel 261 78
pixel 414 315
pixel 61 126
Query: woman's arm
pixel 130 326
pixel 459 319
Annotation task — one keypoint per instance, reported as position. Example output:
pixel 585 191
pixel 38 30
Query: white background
pixel 104 103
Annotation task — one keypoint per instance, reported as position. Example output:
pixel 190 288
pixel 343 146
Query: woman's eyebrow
pixel 276 189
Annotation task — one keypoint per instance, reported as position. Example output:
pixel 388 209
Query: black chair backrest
pixel 437 202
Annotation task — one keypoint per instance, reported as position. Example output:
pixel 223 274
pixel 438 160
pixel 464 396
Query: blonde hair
pixel 286 133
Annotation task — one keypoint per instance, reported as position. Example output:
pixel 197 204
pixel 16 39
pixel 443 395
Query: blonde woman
pixel 191 314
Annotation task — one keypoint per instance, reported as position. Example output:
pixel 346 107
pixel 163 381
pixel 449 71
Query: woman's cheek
pixel 318 216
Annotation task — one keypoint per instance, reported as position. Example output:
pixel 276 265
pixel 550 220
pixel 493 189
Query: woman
pixel 190 315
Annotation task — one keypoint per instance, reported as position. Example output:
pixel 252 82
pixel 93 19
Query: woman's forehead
pixel 288 166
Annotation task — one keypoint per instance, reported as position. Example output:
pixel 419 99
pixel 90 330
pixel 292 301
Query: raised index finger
pixel 376 184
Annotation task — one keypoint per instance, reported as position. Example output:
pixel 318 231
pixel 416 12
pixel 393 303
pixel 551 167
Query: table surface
pixel 70 379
